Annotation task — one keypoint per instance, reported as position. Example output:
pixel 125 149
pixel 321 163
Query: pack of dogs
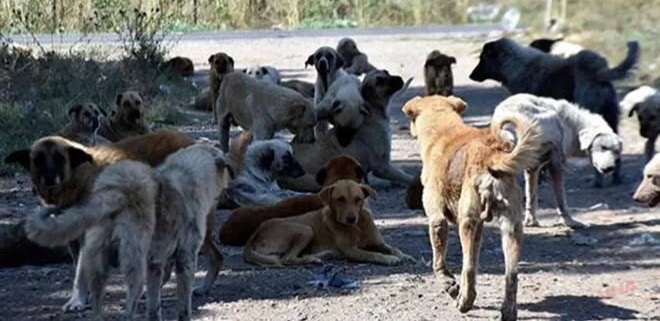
pixel 120 192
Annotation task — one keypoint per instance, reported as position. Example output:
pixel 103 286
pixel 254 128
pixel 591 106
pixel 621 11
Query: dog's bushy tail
pixel 627 67
pixel 525 139
pixel 237 150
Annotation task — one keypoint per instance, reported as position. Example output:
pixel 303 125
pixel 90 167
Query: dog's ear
pixel 458 104
pixel 73 111
pixel 231 61
pixel 264 70
pixel 394 83
pixel 368 191
pixel 321 176
pixel 266 159
pixel 326 194
pixel 310 61
pixel 586 138
pixel 78 156
pixel 20 157
pixel 411 108
pixel 118 99
pixel 211 59
pixel 633 110
pixel 452 60
pixel 244 70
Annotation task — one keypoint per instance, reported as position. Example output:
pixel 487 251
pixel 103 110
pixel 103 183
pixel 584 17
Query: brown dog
pixel 438 77
pixel 245 220
pixel 304 88
pixel 648 191
pixel 343 228
pixel 221 64
pixel 356 62
pixel 469 174
pixel 181 66
pixel 84 121
pixel 127 120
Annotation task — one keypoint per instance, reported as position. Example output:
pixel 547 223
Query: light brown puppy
pixel 469 175
pixel 343 228
pixel 181 66
pixel 245 220
pixel 84 121
pixel 438 77
pixel 648 191
pixel 355 61
pixel 304 88
pixel 127 120
pixel 221 64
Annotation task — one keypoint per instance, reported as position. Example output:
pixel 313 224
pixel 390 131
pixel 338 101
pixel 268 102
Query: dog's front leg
pixel 224 124
pixel 78 300
pixel 531 200
pixel 512 234
pixel 214 258
pixel 470 230
pixel 557 174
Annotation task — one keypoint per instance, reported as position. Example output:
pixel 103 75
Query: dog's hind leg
pixel 531 196
pixel 155 278
pixel 512 234
pixel 470 230
pixel 389 172
pixel 300 236
pixel 186 264
pixel 438 234
pixel 95 261
pixel 133 251
pixel 214 258
pixel 557 174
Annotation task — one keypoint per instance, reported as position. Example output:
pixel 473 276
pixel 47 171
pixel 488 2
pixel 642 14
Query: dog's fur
pixel 154 216
pixel 343 107
pixel 566 131
pixel 221 65
pixel 438 77
pixel 265 73
pixel 414 194
pixel 645 101
pixel 557 47
pixel 329 66
pixel 343 228
pixel 263 108
pixel 127 120
pixel 355 61
pixel 648 191
pixel 371 144
pixel 84 122
pixel 181 66
pixel 244 221
pixel 304 88
pixel 469 175
pixel 202 101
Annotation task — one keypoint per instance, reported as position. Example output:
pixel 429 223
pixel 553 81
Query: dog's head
pixel 130 109
pixel 493 55
pixel 180 65
pixel 221 63
pixel 648 191
pixel 326 60
pixel 338 168
pixel 88 116
pixel 648 114
pixel 347 48
pixel 604 149
pixel 379 86
pixel 434 105
pixel 50 162
pixel 258 72
pixel 346 198
pixel 276 157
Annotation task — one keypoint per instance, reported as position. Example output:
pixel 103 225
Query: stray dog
pixel 371 144
pixel 262 108
pixel 304 88
pixel 181 66
pixel 343 107
pixel 127 120
pixel 221 65
pixel 328 64
pixel 469 176
pixel 343 228
pixel 565 131
pixel 259 165
pixel 557 47
pixel 202 101
pixel 84 121
pixel 645 101
pixel 265 73
pixel 154 216
pixel 648 191
pixel 438 77
pixel 244 221
pixel 355 61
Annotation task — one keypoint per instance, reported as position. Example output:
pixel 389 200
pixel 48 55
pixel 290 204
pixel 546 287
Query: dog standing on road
pixel 84 122
pixel 438 77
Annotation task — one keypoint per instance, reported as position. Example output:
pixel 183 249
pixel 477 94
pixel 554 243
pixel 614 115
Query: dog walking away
pixel 343 228
pixel 469 176
pixel 648 191
pixel 84 121
pixel 127 120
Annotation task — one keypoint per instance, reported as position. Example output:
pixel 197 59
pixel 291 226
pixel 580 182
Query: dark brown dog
pixel 221 64
pixel 356 62
pixel 244 221
pixel 304 88
pixel 438 77
pixel 127 120
pixel 84 120
pixel 181 66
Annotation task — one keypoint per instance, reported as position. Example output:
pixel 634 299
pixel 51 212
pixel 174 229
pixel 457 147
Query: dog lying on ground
pixel 84 122
pixel 355 61
pixel 265 73
pixel 154 216
pixel 181 66
pixel 343 107
pixel 221 65
pixel 244 221
pixel 371 144
pixel 438 77
pixel 328 64
pixel 565 131
pixel 645 101
pixel 648 191
pixel 557 47
pixel 304 88
pixel 127 120
pixel 343 228
pixel 202 101
pixel 262 108
pixel 469 176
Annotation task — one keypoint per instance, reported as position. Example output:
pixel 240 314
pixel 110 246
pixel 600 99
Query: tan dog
pixel 221 65
pixel 343 228
pixel 127 120
pixel 181 66
pixel 84 122
pixel 263 108
pixel 648 191
pixel 304 88
pixel 469 175
pixel 438 77
pixel 244 221
pixel 355 61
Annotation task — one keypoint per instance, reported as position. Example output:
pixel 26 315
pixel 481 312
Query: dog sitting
pixel 329 66
pixel 469 176
pixel 262 108
pixel 245 220
pixel 648 191
pixel 304 88
pixel 265 73
pixel 221 65
pixel 566 131
pixel 343 228
pixel 645 101
pixel 154 216
pixel 438 77
pixel 181 66
pixel 343 107
pixel 127 120
pixel 355 61
pixel 84 122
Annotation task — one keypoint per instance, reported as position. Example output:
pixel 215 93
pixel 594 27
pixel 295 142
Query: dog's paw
pixel 531 221
pixel 75 304
pixel 450 286
pixel 465 301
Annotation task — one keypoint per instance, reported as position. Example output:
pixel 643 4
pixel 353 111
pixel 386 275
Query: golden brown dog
pixel 84 122
pixel 245 220
pixel 468 175
pixel 221 64
pixel 343 228
pixel 127 120
pixel 648 191
pixel 181 66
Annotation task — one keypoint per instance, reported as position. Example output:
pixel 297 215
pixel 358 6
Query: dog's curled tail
pixel 525 138
pixel 627 67
pixel 250 254
pixel 237 150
